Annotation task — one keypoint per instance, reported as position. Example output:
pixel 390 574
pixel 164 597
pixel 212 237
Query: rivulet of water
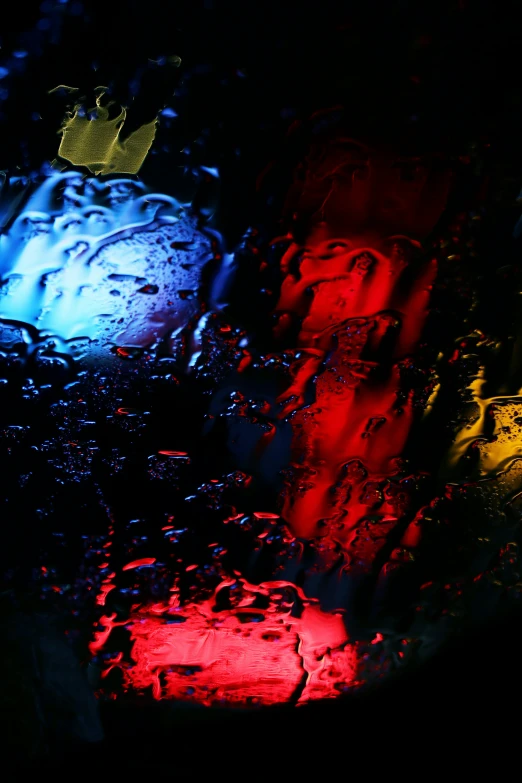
pixel 277 511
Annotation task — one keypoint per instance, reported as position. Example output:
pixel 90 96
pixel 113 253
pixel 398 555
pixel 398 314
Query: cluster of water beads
pixel 192 579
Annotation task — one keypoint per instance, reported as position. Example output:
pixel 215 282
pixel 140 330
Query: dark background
pixel 450 71
pixel 447 71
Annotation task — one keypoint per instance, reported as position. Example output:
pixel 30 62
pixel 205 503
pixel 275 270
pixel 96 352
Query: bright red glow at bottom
pixel 240 655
